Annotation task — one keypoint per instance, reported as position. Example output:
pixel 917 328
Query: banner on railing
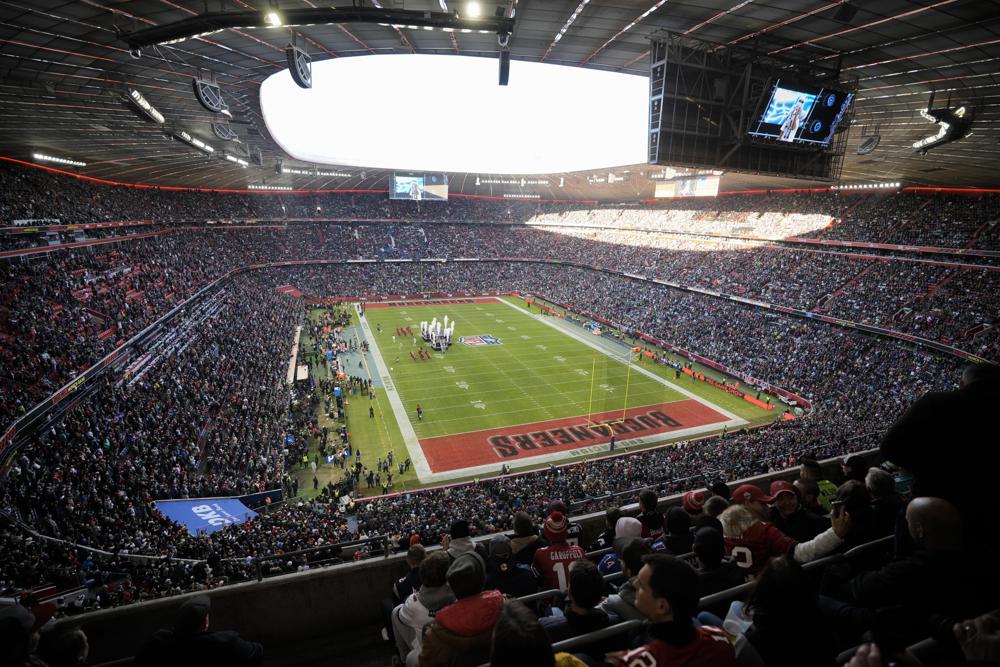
pixel 205 515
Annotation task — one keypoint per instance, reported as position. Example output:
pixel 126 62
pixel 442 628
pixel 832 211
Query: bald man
pixel 936 585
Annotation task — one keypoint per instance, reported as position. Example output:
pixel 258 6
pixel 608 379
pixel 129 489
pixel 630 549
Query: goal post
pixel 631 357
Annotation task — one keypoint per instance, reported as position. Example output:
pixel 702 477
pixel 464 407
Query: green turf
pixel 537 373
pixel 516 381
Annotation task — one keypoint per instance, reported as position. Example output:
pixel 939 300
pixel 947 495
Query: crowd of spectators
pixel 213 395
pixel 64 311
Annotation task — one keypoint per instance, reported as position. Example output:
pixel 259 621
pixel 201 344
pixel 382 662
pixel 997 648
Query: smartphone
pixel 836 507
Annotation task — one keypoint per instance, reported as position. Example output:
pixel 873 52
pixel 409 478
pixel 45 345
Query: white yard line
pixel 420 465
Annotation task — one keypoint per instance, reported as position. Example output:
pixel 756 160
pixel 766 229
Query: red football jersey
pixel 710 648
pixel 759 544
pixel 552 564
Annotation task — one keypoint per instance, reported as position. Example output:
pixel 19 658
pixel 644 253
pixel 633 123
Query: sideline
pixel 420 466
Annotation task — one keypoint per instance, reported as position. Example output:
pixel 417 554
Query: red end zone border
pixel 508 444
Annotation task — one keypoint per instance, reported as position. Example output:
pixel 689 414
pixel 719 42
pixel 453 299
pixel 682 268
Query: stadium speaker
pixel 209 95
pixel 299 66
pixel 278 166
pixel 224 132
pixel 869 144
pixel 845 13
pixel 504 66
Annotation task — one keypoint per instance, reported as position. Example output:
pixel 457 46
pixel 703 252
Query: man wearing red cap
pixel 752 540
pixel 552 562
pixel 790 517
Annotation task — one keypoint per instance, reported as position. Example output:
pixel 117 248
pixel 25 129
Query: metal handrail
pixel 381 540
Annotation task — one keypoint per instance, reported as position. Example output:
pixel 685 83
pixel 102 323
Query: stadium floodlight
pixel 264 186
pixel 473 10
pixel 42 157
pixel 195 142
pixel 232 158
pixel 273 19
pixel 142 105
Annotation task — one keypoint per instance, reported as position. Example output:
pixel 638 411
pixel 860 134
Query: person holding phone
pixel 752 540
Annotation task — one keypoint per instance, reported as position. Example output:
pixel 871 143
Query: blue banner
pixel 205 515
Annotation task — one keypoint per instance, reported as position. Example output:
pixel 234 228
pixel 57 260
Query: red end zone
pixel 515 443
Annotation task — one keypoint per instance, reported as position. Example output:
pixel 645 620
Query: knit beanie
pixel 556 527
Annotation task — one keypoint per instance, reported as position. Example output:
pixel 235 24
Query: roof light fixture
pixel 195 141
pixel 42 157
pixel 142 105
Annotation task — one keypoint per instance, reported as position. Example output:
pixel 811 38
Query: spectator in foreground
pixel 403 587
pixel 786 619
pixel 811 470
pixel 752 540
pixel 458 541
pixel 667 595
pixel 607 538
pixel 519 639
pixel 552 562
pixel 886 503
pixel 652 520
pixel 715 506
pixel 461 632
pixel 940 580
pixel 416 612
pixel 693 502
pixel 506 575
pixel 626 528
pixel 191 643
pixel 622 603
pixel 790 517
pixel 717 571
pixel 18 637
pixel 678 539
pixel 410 581
pixel 580 615
pixel 67 647
pixel 809 496
pixel 525 541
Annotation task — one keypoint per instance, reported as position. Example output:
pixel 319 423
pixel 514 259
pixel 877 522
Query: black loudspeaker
pixel 504 66
pixel 845 13
pixel 299 66
pixel 209 95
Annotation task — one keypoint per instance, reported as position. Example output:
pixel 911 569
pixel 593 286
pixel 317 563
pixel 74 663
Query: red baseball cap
pixel 781 486
pixel 747 492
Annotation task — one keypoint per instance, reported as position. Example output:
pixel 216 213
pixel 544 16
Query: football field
pixel 519 388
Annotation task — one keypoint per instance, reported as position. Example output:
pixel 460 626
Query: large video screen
pixel 698 186
pixel 802 114
pixel 419 187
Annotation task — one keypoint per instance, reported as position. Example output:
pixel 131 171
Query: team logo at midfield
pixel 477 341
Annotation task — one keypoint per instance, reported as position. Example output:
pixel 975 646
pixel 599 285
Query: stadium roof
pixel 64 69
